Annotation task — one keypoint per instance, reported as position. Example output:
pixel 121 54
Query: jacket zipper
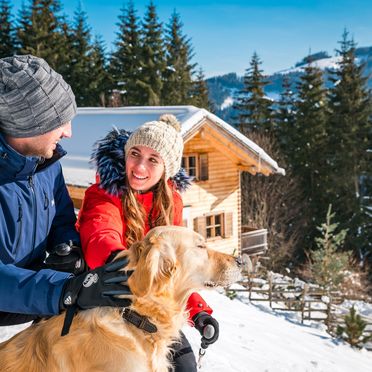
pixel 32 188
pixel 20 218
pixel 46 204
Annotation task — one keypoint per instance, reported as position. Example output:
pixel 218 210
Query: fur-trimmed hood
pixel 108 156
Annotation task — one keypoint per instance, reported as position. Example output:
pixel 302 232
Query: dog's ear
pixel 155 266
pixel 135 252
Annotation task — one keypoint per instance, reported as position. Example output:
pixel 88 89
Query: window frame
pixel 199 158
pixel 213 226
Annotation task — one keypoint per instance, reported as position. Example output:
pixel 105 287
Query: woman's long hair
pixel 161 213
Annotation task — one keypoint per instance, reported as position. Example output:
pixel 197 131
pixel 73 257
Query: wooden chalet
pixel 215 154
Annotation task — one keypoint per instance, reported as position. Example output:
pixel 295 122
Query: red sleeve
pixel 100 225
pixel 196 304
pixel 178 208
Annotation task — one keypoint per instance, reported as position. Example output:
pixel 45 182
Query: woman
pixel 137 189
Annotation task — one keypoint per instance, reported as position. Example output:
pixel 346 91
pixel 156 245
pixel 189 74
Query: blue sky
pixel 225 34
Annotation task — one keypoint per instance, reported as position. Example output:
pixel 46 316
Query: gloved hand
pixel 98 287
pixel 66 257
pixel 208 327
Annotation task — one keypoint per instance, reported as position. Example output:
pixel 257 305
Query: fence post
pixel 304 294
pixel 270 288
pixel 329 319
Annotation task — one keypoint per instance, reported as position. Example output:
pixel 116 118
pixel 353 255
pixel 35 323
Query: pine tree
pixel 353 331
pixel 125 61
pixel 253 107
pixel 98 75
pixel 309 137
pixel 178 72
pixel 349 132
pixel 80 65
pixel 152 60
pixel 7 42
pixel 40 32
pixel 199 94
pixel 328 262
pixel 285 119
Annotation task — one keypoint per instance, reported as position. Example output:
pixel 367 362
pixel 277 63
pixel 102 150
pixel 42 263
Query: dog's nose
pixel 239 261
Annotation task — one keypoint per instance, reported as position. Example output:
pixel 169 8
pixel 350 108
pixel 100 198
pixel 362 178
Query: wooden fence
pixel 313 303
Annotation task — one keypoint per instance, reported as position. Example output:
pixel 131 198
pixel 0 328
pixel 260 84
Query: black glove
pixel 66 257
pixel 98 287
pixel 208 327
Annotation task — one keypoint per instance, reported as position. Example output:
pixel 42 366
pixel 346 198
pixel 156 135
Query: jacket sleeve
pixel 63 225
pixel 100 225
pixel 178 208
pixel 195 303
pixel 30 292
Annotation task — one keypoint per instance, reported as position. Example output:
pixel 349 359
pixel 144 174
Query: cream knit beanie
pixel 163 136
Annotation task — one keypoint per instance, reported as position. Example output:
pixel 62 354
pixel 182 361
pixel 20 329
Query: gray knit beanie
pixel 34 99
pixel 163 136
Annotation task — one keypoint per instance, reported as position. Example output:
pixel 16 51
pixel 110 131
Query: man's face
pixel 42 145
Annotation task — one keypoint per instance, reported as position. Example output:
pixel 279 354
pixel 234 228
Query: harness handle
pixel 208 333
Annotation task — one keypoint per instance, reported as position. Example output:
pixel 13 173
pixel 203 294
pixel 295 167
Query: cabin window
pixel 196 166
pixel 214 225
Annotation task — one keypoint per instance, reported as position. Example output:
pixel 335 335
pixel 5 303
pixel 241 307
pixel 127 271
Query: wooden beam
pixel 76 194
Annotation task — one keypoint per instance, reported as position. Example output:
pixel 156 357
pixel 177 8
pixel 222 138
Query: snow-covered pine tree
pixel 7 41
pixel 152 59
pixel 177 76
pixel 254 108
pixel 125 62
pixel 349 132
pixel 40 32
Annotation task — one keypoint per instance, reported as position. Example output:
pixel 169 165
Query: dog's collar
pixel 140 321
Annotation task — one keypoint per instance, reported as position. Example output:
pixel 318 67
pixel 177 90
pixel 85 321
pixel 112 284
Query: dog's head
pixel 175 260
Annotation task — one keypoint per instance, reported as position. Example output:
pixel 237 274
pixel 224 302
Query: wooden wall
pixel 220 194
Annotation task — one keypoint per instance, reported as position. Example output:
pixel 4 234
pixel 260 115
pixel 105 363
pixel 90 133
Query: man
pixel 37 233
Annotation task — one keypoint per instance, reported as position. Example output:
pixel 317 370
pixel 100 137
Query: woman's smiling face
pixel 144 168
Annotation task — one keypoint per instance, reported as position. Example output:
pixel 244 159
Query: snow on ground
pixel 253 338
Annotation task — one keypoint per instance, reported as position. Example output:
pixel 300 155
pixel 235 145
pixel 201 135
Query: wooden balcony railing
pixel 253 241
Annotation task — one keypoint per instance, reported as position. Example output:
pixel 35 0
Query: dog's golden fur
pixel 170 263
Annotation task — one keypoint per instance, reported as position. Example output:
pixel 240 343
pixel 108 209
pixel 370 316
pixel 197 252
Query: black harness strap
pixel 69 316
pixel 140 321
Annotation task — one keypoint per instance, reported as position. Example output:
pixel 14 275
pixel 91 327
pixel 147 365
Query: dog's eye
pixel 202 246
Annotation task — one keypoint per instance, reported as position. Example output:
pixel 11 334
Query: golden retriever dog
pixel 169 264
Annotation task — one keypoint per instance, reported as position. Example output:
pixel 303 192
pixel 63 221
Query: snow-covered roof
pixel 93 123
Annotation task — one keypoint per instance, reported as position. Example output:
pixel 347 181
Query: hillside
pixel 223 89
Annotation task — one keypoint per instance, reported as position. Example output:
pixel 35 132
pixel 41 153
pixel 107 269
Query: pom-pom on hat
pixel 163 136
pixel 34 99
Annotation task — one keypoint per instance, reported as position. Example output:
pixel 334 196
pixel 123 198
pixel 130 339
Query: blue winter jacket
pixel 36 214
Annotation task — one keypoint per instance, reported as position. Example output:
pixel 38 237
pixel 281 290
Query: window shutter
pixel 203 167
pixel 228 225
pixel 200 226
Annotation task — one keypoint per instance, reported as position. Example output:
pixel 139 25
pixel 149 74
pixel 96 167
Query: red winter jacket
pixel 102 230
